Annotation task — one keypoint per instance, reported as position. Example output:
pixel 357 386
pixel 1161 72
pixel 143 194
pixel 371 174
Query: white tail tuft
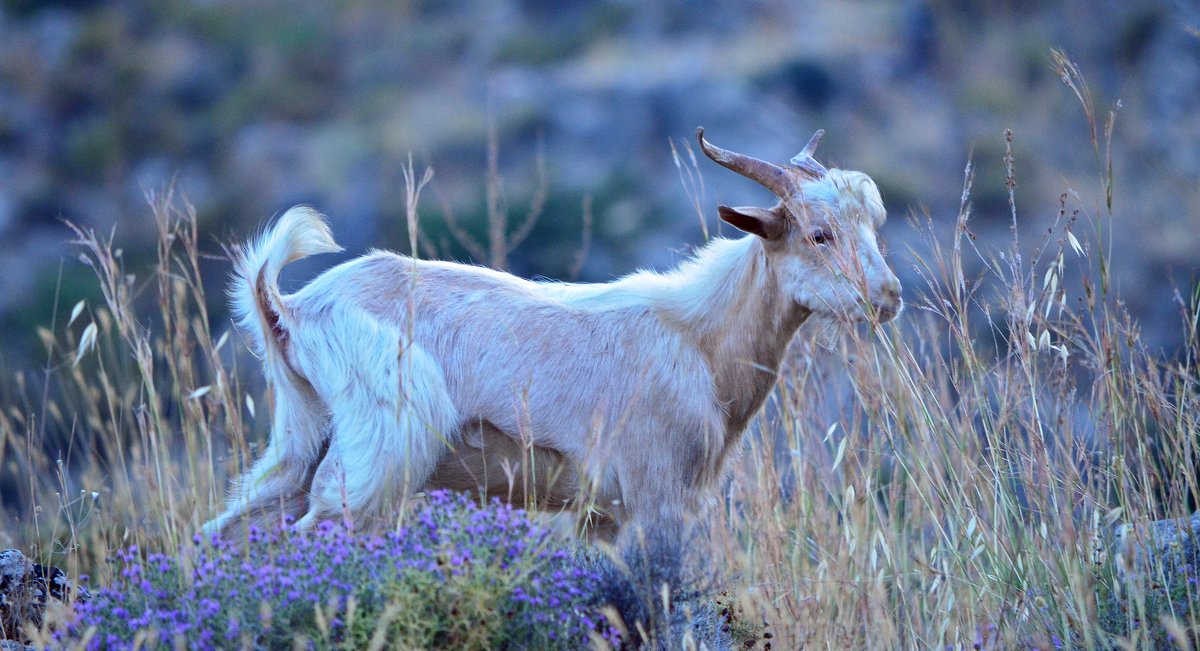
pixel 299 233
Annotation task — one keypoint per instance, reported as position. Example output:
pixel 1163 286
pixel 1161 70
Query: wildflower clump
pixel 455 574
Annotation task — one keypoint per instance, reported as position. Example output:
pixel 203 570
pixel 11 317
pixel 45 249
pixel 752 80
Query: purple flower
pixel 261 590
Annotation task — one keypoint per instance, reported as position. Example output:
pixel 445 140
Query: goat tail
pixel 299 233
pixel 278 478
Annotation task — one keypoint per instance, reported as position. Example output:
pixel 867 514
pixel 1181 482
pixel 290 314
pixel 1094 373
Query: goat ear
pixel 763 222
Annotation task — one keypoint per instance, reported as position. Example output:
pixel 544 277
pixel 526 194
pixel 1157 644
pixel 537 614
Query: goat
pixel 393 375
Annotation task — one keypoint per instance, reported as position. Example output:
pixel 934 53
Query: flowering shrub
pixel 455 575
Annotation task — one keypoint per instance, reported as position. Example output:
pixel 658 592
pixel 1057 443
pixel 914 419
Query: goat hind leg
pixel 271 480
pixel 389 431
pixel 298 441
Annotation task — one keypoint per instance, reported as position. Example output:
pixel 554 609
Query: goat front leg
pixel 656 504
pixel 650 524
pixel 663 490
pixel 391 422
pixel 654 544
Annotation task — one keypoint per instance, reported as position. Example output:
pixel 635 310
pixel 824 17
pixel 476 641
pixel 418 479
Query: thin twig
pixel 585 243
pixel 536 204
pixel 497 216
pixel 412 194
pixel 460 234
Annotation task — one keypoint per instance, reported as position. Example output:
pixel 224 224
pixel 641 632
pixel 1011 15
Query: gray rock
pixel 17 599
pixel 25 587
pixel 1172 542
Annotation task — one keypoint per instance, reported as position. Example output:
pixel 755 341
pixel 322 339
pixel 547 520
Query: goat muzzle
pixel 889 303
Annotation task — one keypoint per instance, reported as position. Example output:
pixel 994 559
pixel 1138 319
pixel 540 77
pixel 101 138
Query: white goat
pixel 393 375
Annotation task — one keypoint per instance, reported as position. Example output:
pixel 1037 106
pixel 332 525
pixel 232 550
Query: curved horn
pixel 769 175
pixel 805 162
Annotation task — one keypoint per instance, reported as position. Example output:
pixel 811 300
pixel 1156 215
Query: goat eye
pixel 820 237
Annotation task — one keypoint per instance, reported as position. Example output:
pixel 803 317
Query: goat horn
pixel 769 175
pixel 805 162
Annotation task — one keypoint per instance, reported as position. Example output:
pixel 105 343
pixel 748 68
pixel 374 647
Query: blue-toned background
pixel 250 107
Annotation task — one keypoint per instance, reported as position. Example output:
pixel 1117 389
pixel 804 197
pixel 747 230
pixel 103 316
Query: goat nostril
pixel 892 290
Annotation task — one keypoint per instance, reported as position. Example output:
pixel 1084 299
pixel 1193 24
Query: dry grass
pixel 946 481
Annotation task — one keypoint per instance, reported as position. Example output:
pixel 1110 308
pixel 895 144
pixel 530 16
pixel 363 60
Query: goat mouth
pixel 867 312
pixel 887 311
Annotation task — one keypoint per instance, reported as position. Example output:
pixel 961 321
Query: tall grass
pixel 125 434
pixel 953 482
pixel 949 480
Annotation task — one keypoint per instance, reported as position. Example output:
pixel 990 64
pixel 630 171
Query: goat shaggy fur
pixel 393 375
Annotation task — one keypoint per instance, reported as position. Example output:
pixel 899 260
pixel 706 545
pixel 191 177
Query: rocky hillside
pixel 249 108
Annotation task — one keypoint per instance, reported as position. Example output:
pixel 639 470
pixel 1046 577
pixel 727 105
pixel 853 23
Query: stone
pixel 1173 542
pixel 25 587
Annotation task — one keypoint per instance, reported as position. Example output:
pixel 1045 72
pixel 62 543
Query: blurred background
pixel 250 107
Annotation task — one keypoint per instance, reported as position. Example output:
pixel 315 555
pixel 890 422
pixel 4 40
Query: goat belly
pixel 520 473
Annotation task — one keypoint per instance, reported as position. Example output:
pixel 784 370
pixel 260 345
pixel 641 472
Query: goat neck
pixel 741 320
